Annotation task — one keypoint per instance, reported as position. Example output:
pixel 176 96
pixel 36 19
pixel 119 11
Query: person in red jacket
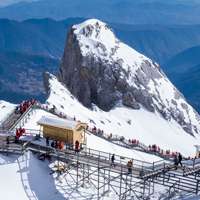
pixel 77 146
pixel 17 134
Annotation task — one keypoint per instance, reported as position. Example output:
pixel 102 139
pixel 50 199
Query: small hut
pixel 68 131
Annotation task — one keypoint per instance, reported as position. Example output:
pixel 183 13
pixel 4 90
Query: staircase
pixel 11 119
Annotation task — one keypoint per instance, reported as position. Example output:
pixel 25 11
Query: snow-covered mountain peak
pixel 95 30
pixel 99 69
pixel 92 28
pixel 96 37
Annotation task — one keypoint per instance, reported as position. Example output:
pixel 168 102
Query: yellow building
pixel 68 131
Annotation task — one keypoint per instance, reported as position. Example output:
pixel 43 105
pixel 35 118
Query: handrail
pixel 142 146
pixel 108 155
pixel 7 117
pixel 21 117
pixel 93 156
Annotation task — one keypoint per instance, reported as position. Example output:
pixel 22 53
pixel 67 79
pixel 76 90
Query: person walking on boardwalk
pixel 130 166
pixel 47 141
pixel 113 160
pixel 7 140
pixel 175 162
pixel 180 158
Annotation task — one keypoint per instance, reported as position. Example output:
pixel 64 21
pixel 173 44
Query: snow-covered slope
pixel 20 176
pixel 98 68
pixel 5 109
pixel 93 141
pixel 96 38
pixel 148 127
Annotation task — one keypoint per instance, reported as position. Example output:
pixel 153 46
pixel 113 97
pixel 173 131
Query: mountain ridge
pixel 110 72
pixel 135 12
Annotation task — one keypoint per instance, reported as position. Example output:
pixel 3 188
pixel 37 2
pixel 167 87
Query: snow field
pixel 149 128
pixel 6 109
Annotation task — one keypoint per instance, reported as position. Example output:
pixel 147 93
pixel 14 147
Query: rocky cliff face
pixel 99 69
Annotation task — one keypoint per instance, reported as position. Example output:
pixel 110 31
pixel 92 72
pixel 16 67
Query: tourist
pixel 77 146
pixel 47 141
pixel 180 158
pixel 113 160
pixel 130 165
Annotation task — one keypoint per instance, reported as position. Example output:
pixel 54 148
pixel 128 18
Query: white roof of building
pixel 56 122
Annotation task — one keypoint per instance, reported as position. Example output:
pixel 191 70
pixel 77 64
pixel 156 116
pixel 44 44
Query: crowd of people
pixel 133 142
pixel 61 145
pixel 24 105
pixel 19 132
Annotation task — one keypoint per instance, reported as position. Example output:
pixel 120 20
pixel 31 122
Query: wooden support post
pixel 77 171
pixel 109 179
pixel 149 191
pixel 104 180
pixel 126 184
pixel 98 184
pixel 144 188
pixel 88 171
pixel 83 175
pixel 130 185
pixel 120 187
pixel 197 187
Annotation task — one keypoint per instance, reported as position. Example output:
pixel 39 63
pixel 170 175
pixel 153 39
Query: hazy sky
pixel 8 2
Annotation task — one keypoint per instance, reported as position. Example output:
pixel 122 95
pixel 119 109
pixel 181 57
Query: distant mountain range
pixel 41 37
pixel 4 3
pixel 21 75
pixel 117 11
pixel 184 70
pixel 46 38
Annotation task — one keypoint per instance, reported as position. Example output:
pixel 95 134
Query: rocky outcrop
pixel 99 69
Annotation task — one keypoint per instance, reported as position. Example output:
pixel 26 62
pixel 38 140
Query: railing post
pixel 197 187
pixel 120 187
pixel 193 163
pixel 98 192
pixel 77 171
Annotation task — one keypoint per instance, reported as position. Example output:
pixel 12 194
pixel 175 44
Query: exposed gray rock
pixel 129 100
pixel 46 77
pixel 98 75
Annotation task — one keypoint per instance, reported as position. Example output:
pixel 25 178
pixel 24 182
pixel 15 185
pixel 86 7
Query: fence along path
pixel 10 120
pixel 98 163
pixel 16 119
pixel 20 120
pixel 115 139
pixel 142 172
